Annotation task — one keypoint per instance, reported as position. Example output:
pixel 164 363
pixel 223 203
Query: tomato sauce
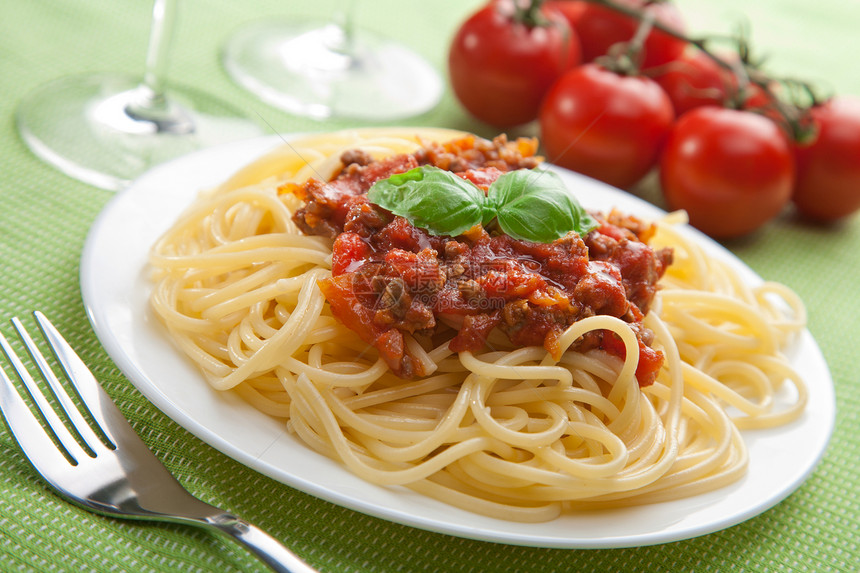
pixel 390 278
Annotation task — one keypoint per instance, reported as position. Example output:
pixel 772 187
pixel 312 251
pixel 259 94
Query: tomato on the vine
pixel 697 79
pixel 605 125
pixel 600 27
pixel 693 80
pixel 828 168
pixel 731 170
pixel 503 59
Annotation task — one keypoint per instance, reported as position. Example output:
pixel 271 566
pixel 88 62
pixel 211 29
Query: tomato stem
pixel 528 12
pixel 625 58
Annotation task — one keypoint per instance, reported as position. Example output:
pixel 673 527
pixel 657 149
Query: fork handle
pixel 263 545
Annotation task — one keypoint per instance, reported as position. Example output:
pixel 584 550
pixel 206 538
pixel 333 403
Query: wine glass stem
pixel 160 38
pixel 148 103
pixel 344 19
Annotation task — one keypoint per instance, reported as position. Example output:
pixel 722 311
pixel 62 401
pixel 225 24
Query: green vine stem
pixel 529 13
pixel 793 115
pixel 626 58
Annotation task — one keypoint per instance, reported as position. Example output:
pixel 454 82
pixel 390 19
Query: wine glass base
pixel 310 69
pixel 91 128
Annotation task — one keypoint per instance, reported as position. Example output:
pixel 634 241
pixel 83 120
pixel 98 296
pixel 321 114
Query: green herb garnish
pixel 432 199
pixel 528 204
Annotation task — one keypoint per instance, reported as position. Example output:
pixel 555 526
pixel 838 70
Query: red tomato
pixel 600 27
pixel 605 125
pixel 756 98
pixel 694 80
pixel 828 169
pixel 731 170
pixel 501 67
pixel 763 101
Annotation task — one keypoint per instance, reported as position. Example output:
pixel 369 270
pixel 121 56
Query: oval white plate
pixel 116 288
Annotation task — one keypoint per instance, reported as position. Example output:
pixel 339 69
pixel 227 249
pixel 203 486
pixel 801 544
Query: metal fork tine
pixel 99 404
pixel 78 421
pixel 33 439
pixel 27 430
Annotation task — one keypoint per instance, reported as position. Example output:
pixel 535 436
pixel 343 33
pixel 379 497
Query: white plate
pixel 116 288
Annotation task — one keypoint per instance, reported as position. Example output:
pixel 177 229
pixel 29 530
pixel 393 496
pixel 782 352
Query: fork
pixel 115 474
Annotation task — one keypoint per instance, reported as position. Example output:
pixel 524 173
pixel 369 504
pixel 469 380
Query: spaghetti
pixel 516 433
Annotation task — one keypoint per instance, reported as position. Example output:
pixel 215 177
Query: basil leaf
pixel 431 198
pixel 535 205
pixel 530 205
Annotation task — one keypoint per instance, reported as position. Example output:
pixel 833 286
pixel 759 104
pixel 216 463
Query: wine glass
pixel 331 69
pixel 106 129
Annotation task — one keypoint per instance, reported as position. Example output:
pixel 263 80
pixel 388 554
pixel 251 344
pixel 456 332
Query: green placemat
pixel 45 216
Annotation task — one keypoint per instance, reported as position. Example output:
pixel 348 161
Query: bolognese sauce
pixel 391 279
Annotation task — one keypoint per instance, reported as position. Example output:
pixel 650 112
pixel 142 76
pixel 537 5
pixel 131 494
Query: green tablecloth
pixel 44 218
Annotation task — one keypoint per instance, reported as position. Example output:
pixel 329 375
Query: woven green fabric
pixel 45 216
